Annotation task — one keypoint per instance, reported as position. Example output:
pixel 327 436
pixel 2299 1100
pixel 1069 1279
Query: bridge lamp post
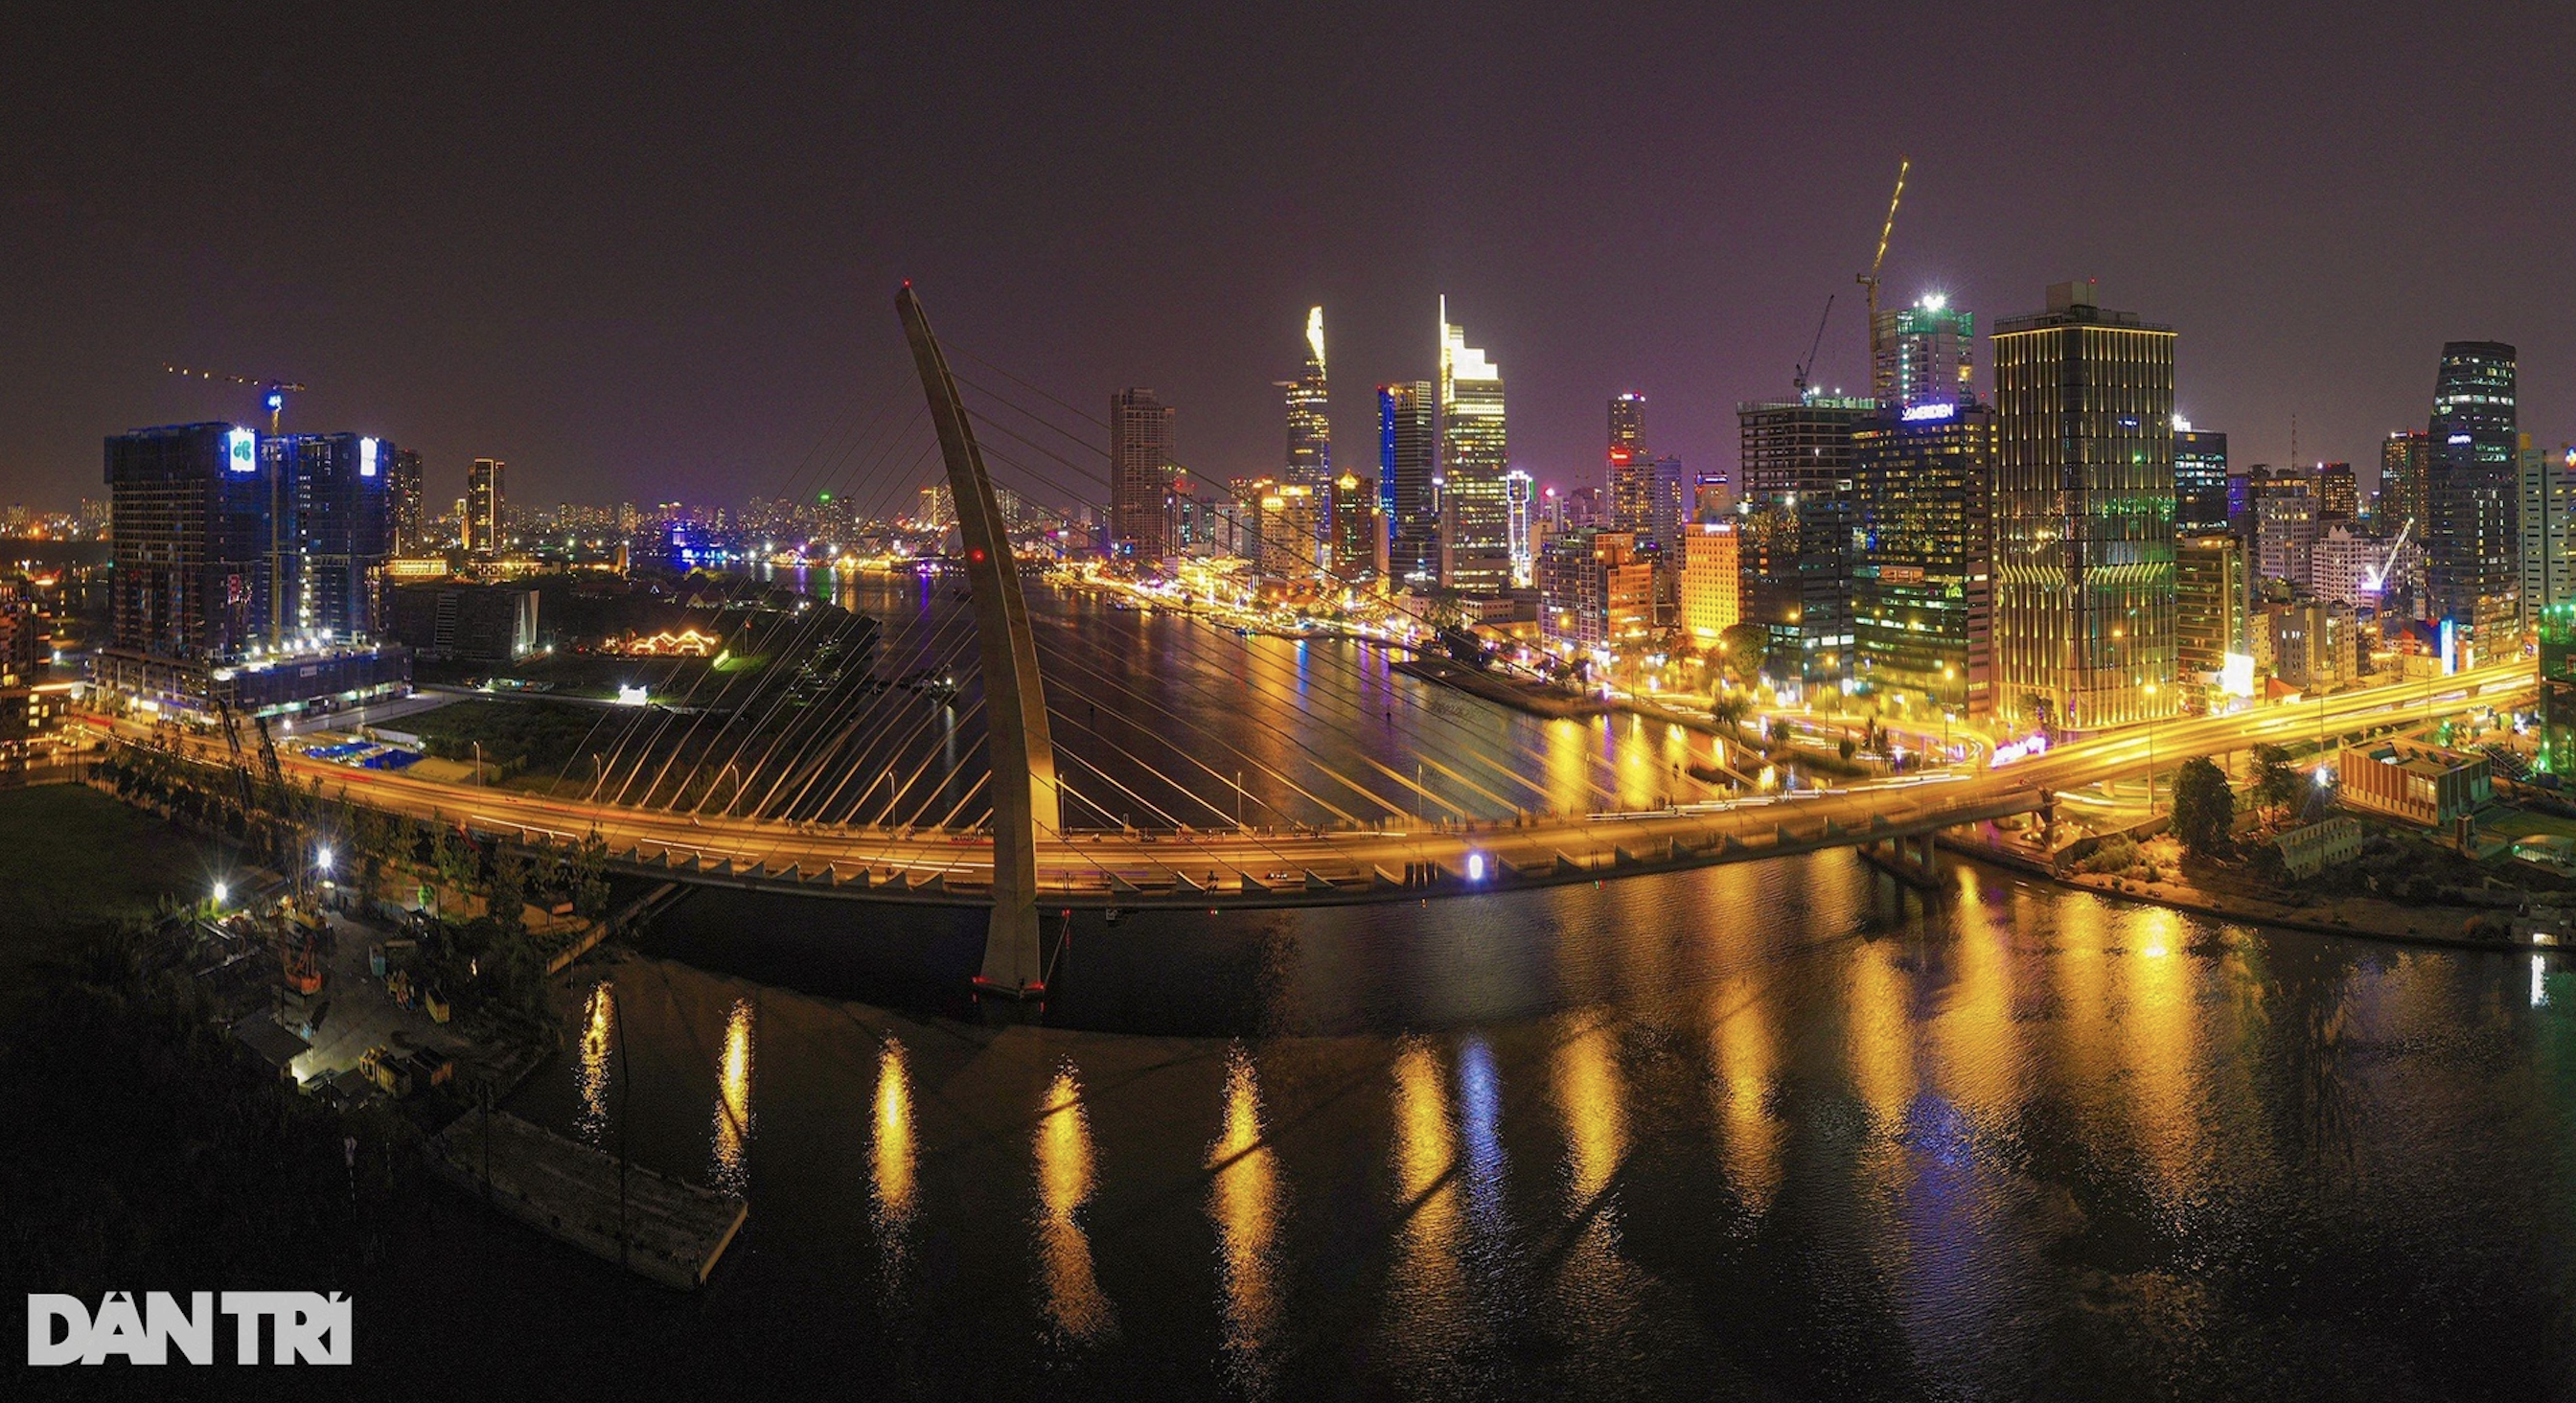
pixel 1238 800
pixel 2151 750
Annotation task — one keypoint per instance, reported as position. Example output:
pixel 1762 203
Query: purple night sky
pixel 646 258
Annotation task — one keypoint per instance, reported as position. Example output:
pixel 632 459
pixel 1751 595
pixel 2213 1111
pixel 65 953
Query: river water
pixel 1773 1130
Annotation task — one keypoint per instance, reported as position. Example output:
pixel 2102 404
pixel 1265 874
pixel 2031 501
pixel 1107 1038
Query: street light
pixel 322 858
pixel 223 893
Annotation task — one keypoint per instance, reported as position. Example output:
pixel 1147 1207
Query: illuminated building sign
pixel 2450 646
pixel 2459 438
pixel 241 451
pixel 2236 675
pixel 366 457
pixel 1923 412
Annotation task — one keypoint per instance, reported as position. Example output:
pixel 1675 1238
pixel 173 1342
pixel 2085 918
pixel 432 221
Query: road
pixel 1229 866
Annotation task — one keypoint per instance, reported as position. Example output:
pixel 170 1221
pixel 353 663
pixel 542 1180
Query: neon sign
pixel 1922 413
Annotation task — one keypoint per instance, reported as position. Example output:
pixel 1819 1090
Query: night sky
pixel 650 254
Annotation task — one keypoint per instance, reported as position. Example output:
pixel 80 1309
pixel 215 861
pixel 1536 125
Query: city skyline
pixel 705 350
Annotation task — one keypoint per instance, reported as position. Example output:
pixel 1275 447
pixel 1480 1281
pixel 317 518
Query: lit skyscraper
pixel 1140 471
pixel 339 484
pixel 1407 460
pixel 1310 426
pixel 2471 537
pixel 1926 355
pixel 1475 516
pixel 1357 526
pixel 407 508
pixel 2084 507
pixel 1631 472
pixel 194 521
pixel 2200 480
pixel 2338 492
pixel 2548 484
pixel 1796 542
pixel 1923 585
pixel 484 501
pixel 1517 486
pixel 2403 462
pixel 1628 423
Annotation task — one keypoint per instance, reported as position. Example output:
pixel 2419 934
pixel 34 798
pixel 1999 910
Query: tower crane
pixel 2378 579
pixel 272 391
pixel 1809 363
pixel 1870 279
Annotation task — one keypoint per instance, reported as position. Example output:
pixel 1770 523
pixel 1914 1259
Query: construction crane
pixel 272 391
pixel 1809 363
pixel 1870 279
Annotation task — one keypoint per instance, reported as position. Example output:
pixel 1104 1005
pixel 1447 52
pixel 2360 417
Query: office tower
pixel 1516 498
pixel 1668 505
pixel 1798 509
pixel 936 509
pixel 2284 522
pixel 1926 355
pixel 1195 525
pixel 2210 624
pixel 2403 462
pixel 2200 480
pixel 1407 460
pixel 2315 645
pixel 1310 426
pixel 1629 474
pixel 483 508
pixel 406 508
pixel 2557 754
pixel 1475 517
pixel 1291 535
pixel 341 486
pixel 1628 423
pixel 2548 490
pixel 2471 497
pixel 1922 625
pixel 1709 494
pixel 1357 528
pixel 2342 566
pixel 1712 583
pixel 2338 492
pixel 1595 591
pixel 1140 473
pixel 194 514
pixel 2084 506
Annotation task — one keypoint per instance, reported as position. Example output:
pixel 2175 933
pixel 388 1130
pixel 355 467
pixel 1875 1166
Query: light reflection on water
pixel 1070 1291
pixel 1245 1203
pixel 733 1122
pixel 598 1027
pixel 892 1166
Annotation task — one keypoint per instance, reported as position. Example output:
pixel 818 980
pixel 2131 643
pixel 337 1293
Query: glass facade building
pixel 1922 586
pixel 2471 534
pixel 1310 425
pixel 1475 509
pixel 1797 514
pixel 1407 461
pixel 2200 480
pixel 2084 515
pixel 1140 472
pixel 1926 355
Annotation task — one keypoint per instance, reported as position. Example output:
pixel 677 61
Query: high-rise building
pixel 341 486
pixel 2342 563
pixel 1712 582
pixel 1797 508
pixel 2084 508
pixel 1668 503
pixel 1475 514
pixel 1628 423
pixel 937 508
pixel 1310 428
pixel 1595 591
pixel 2211 596
pixel 2338 492
pixel 1922 626
pixel 2200 480
pixel 1357 526
pixel 1926 355
pixel 2285 522
pixel 195 515
pixel 2548 489
pixel 406 508
pixel 2471 538
pixel 1630 474
pixel 1517 486
pixel 1408 461
pixel 484 498
pixel 2403 462
pixel 1710 494
pixel 1140 476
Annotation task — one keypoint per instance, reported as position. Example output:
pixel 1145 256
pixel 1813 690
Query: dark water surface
pixel 1768 1131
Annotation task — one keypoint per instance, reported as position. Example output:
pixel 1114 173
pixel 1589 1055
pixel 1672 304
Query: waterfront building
pixel 2084 507
pixel 1595 591
pixel 2548 553
pixel 1926 355
pixel 1798 507
pixel 2211 597
pixel 1475 515
pixel 2557 755
pixel 1711 583
pixel 1408 460
pixel 1140 474
pixel 485 507
pixel 2418 783
pixel 1310 428
pixel 2471 538
pixel 1922 585
pixel 2200 480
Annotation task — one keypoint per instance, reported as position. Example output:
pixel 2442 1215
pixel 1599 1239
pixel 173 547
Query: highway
pixel 1248 867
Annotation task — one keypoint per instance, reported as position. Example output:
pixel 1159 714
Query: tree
pixel 509 895
pixel 1743 649
pixel 2204 808
pixel 1729 709
pixel 1847 748
pixel 1780 730
pixel 2277 783
pixel 590 877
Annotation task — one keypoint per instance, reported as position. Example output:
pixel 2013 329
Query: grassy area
pixel 71 860
pixel 516 734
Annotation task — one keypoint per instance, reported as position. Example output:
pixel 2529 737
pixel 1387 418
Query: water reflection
pixel 1070 1293
pixel 891 1189
pixel 1596 1285
pixel 1244 1203
pixel 590 1074
pixel 1741 1045
pixel 733 1123
pixel 1425 1313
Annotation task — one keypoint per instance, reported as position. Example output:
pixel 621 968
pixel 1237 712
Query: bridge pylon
pixel 1022 754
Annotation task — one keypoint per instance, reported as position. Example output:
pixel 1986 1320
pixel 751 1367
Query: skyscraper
pixel 1922 626
pixel 1630 473
pixel 1140 471
pixel 193 512
pixel 1475 515
pixel 1357 528
pixel 2084 508
pixel 2338 492
pixel 2210 622
pixel 2548 486
pixel 1517 487
pixel 341 488
pixel 1926 355
pixel 2200 480
pixel 1798 503
pixel 1628 422
pixel 2403 462
pixel 1712 583
pixel 483 501
pixel 1310 426
pixel 1407 459
pixel 2471 537
pixel 406 507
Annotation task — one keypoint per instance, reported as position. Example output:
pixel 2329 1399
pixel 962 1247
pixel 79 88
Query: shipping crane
pixel 272 391
pixel 1870 279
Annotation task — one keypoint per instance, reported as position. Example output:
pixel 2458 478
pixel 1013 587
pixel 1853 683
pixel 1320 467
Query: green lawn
pixel 72 858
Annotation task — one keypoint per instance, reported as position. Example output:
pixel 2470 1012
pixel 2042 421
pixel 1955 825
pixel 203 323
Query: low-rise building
pixel 2417 783
pixel 2312 848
